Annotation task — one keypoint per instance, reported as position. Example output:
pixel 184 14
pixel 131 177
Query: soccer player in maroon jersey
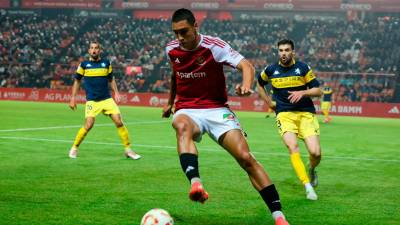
pixel 198 83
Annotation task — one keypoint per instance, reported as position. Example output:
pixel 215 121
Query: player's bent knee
pixel 181 128
pixel 293 148
pixel 89 125
pixel 316 154
pixel 119 123
pixel 246 160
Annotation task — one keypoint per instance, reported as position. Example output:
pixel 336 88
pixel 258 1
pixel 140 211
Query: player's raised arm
pixel 248 77
pixel 167 110
pixel 75 88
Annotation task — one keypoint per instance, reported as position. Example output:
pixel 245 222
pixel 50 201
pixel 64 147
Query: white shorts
pixel 214 121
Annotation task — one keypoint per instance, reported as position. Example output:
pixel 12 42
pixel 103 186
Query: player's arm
pixel 113 84
pixel 248 77
pixel 75 89
pixel 80 71
pixel 167 110
pixel 295 96
pixel 114 88
pixel 312 91
pixel 265 96
pixel 262 80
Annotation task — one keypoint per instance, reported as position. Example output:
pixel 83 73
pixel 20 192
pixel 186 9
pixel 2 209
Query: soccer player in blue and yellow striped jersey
pixel 97 75
pixel 293 84
pixel 326 102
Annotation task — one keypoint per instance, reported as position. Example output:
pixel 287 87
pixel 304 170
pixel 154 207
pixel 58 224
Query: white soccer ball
pixel 157 217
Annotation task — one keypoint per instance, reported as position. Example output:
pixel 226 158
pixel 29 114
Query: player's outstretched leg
pixel 80 136
pixel 124 135
pixel 235 143
pixel 73 152
pixel 190 167
pixel 314 149
pixel 300 170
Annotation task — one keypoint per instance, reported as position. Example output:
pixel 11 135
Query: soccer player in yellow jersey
pixel 293 84
pixel 97 74
pixel 326 102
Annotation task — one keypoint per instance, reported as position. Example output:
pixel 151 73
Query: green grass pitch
pixel 359 173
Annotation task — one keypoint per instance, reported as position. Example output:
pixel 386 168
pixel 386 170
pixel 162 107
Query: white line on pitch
pixel 77 126
pixel 209 149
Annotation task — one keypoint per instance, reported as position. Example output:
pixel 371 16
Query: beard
pixel 287 61
pixel 95 57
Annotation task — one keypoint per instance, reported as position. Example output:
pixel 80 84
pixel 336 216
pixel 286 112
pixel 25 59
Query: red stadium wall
pixel 4 4
pixel 368 109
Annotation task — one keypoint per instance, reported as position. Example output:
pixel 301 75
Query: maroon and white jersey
pixel 199 74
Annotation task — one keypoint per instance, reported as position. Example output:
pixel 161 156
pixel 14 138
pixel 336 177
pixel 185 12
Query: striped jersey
pixel 199 74
pixel 296 77
pixel 97 75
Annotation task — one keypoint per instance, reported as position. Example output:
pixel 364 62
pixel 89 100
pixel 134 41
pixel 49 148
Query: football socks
pixel 271 198
pixel 80 136
pixel 190 166
pixel 299 168
pixel 124 135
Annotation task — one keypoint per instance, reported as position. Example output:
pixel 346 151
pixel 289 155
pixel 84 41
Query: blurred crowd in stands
pixel 359 58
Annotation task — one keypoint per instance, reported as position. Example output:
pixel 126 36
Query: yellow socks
pixel 79 137
pixel 122 132
pixel 325 112
pixel 124 135
pixel 299 168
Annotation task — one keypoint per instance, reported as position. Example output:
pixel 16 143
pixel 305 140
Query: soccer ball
pixel 157 217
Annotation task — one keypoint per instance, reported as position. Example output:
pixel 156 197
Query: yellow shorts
pixel 106 107
pixel 325 105
pixel 304 124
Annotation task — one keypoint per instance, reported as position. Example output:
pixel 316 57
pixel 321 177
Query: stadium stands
pixel 43 51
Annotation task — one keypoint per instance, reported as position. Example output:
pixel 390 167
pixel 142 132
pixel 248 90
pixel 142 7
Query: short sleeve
pixel 224 53
pixel 310 78
pixel 262 77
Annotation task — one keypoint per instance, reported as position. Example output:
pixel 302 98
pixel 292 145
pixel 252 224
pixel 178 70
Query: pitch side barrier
pixel 252 103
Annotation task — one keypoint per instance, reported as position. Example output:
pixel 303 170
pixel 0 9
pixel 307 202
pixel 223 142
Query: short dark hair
pixel 95 42
pixel 183 14
pixel 286 42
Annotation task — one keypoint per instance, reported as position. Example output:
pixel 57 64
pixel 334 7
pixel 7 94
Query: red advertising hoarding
pixel 256 5
pixel 368 109
pixel 80 4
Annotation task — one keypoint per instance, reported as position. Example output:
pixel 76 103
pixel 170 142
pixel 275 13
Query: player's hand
pixel 72 103
pixel 167 111
pixel 117 97
pixel 272 106
pixel 243 91
pixel 295 96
